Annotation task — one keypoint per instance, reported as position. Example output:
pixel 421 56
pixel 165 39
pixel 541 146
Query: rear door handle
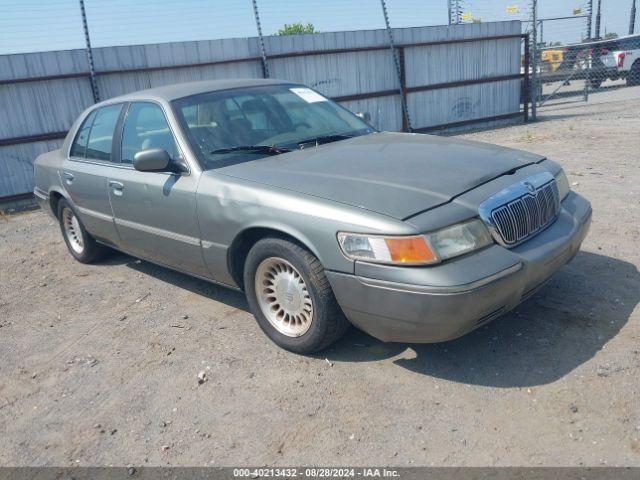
pixel 68 177
pixel 117 187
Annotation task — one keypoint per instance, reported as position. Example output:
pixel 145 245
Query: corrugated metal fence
pixel 449 75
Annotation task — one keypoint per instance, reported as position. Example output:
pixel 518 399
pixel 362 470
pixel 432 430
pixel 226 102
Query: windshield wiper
pixel 324 139
pixel 268 149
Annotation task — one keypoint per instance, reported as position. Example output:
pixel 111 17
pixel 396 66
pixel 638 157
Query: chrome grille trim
pixel 521 210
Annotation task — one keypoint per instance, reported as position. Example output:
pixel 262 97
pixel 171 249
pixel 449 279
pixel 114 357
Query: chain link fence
pixel 581 51
pixel 580 58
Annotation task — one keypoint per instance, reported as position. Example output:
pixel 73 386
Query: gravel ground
pixel 98 364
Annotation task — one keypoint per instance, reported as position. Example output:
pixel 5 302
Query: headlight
pixel 459 239
pixel 563 184
pixel 418 249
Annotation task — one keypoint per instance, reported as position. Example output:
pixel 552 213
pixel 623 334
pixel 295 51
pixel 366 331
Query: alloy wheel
pixel 283 297
pixel 72 230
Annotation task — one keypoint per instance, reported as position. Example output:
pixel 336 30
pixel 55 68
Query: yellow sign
pixel 577 11
pixel 467 16
pixel 513 9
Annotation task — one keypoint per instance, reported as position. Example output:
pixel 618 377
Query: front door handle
pixel 116 186
pixel 68 177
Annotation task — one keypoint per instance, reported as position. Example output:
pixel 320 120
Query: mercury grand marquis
pixel 269 187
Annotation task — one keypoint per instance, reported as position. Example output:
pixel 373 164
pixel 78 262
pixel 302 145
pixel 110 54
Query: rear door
pixel 84 173
pixel 155 212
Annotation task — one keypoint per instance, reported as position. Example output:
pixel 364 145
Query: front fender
pixel 227 207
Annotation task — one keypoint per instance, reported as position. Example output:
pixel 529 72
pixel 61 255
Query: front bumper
pixel 443 302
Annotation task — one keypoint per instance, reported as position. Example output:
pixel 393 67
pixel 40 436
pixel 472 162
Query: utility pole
pixel 598 18
pixel 449 13
pixel 92 69
pixel 632 17
pixel 589 18
pixel 456 12
pixel 263 52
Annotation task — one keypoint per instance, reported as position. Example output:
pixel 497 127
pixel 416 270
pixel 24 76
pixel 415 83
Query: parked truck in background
pixel 613 59
pixel 617 59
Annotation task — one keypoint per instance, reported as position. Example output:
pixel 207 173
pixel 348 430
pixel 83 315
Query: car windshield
pixel 245 124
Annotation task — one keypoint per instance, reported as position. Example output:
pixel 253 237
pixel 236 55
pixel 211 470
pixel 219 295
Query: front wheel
pixel 80 243
pixel 290 296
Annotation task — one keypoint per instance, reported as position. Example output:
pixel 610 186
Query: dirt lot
pixel 98 363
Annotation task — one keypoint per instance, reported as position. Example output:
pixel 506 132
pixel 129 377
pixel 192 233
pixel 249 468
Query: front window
pixel 282 116
pixel 146 127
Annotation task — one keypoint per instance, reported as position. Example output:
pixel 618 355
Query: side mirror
pixel 366 116
pixel 155 160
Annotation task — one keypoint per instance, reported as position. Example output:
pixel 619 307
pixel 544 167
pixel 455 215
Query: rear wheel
pixel 633 77
pixel 290 296
pixel 595 83
pixel 80 243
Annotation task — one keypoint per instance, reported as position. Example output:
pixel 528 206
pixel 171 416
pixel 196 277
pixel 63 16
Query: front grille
pixel 521 210
pixel 525 216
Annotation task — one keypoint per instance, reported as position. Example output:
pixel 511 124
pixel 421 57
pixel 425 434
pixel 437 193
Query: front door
pixel 154 212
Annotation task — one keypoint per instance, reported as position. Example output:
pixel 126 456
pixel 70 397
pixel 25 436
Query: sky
pixel 40 25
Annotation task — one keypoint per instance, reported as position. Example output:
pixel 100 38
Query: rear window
pixel 622 44
pixel 629 43
pixel 95 136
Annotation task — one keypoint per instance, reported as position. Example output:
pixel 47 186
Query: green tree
pixel 610 35
pixel 297 29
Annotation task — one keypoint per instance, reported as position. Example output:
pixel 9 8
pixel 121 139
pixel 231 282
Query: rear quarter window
pixel 79 146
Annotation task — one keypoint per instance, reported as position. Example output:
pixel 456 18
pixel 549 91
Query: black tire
pixel 595 83
pixel 328 323
pixel 633 77
pixel 91 250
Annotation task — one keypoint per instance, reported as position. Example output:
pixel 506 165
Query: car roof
pixel 181 90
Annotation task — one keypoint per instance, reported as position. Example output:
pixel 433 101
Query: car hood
pixel 394 174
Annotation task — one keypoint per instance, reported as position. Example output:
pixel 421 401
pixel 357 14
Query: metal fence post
pixel 598 18
pixel 263 52
pixel 589 18
pixel 87 39
pixel 403 88
pixel 587 80
pixel 632 17
pixel 526 88
pixel 406 121
pixel 534 60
